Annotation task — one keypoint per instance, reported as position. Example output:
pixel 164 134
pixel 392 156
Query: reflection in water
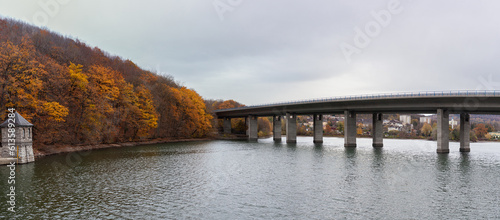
pixel 442 162
pixel 264 180
pixel 377 165
pixel 350 165
pixel 319 150
pixel 378 157
pixel 318 146
pixel 350 152
pixel 466 175
pixel 464 163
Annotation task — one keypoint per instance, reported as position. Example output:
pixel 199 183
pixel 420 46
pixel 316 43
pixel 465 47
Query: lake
pixel 406 179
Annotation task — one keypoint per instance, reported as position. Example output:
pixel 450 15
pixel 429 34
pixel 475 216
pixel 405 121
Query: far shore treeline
pixel 75 94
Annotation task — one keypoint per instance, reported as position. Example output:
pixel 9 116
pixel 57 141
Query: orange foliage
pixel 227 104
pixel 480 130
pixel 75 94
pixel 192 116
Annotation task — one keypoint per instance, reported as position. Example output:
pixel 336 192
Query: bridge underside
pixel 442 106
pixel 417 105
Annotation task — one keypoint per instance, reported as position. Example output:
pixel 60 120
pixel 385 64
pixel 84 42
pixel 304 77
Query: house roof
pixel 19 122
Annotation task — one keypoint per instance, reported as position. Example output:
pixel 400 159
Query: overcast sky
pixel 261 51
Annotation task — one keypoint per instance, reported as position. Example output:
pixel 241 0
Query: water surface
pixel 240 180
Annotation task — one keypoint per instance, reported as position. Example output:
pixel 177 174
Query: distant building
pixel 495 135
pixel 453 123
pixel 405 119
pixel 425 119
pixel 393 125
pixel 394 128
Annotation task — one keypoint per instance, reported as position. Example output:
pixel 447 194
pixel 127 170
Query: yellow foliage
pixel 20 76
pixel 488 136
pixel 193 116
pixel 78 79
pixel 56 111
pixel 148 116
pixel 359 131
pixel 426 129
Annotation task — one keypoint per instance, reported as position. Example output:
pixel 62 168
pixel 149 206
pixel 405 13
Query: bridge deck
pixel 478 102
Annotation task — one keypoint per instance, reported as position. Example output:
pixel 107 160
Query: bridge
pixel 442 103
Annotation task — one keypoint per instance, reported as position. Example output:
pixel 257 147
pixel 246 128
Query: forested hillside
pixel 75 94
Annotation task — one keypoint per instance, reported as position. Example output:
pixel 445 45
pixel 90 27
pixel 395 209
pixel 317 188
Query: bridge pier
pixel 277 128
pixel 252 128
pixel 378 130
pixel 318 128
pixel 350 129
pixel 291 128
pixel 443 142
pixel 464 132
pixel 227 125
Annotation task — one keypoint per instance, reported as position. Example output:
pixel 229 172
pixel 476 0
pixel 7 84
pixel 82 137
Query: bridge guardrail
pixel 381 96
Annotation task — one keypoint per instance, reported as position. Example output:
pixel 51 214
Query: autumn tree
pixel 22 87
pixel 480 130
pixel 426 130
pixel 19 77
pixel 147 116
pixel 359 129
pixel 328 129
pixel 191 119
pixel 340 126
pixel 264 126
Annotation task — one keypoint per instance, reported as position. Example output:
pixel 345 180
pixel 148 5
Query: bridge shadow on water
pixel 443 162
pixel 350 152
pixel 378 157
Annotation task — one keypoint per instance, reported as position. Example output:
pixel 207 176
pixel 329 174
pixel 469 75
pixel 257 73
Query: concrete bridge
pixel 442 103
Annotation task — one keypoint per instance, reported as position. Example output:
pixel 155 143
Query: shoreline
pixel 61 149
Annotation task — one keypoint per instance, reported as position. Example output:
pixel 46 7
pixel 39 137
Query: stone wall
pixel 24 143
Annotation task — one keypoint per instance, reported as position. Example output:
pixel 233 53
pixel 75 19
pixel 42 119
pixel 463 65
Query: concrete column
pixel 291 128
pixel 247 126
pixel 227 125
pixel 443 142
pixel 464 132
pixel 378 130
pixel 277 128
pixel 252 128
pixel 318 128
pixel 350 129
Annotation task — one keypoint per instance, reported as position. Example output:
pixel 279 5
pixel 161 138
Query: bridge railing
pixel 382 96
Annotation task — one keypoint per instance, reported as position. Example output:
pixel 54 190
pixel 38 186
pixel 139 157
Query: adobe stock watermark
pixel 372 29
pixel 47 9
pixel 72 160
pixel 486 84
pixel 224 6
pixel 11 144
